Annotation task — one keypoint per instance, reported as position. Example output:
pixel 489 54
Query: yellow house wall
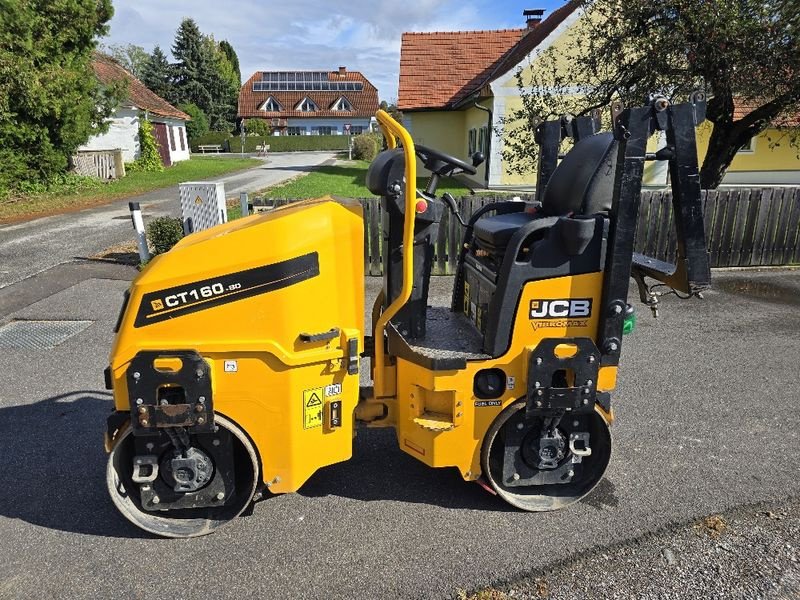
pixel 448 131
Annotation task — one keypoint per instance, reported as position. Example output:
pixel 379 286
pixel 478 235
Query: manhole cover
pixel 39 335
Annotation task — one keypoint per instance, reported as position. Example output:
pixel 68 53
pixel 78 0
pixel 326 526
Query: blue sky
pixel 363 35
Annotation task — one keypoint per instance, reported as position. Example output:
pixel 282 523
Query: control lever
pixel 448 199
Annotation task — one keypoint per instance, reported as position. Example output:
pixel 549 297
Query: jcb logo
pixel 561 309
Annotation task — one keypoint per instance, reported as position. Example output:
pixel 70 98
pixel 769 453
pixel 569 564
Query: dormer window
pixel 271 105
pixel 306 105
pixel 342 105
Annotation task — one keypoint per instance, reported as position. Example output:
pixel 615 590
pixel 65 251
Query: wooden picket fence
pixel 745 227
pixel 103 164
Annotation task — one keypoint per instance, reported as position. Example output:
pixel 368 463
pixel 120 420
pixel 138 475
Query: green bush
pixel 256 127
pixel 198 126
pixel 163 233
pixel 365 147
pixel 149 160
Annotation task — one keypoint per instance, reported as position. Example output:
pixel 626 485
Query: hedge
pixel 277 143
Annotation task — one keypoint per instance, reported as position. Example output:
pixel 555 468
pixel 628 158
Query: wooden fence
pixel 103 164
pixel 744 227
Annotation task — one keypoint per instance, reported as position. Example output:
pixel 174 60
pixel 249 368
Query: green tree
pixel 134 58
pixel 157 75
pixel 392 109
pixel 203 75
pixel 193 69
pixel 50 100
pixel 230 53
pixel 743 53
pixel 199 124
pixel 222 86
pixel 256 127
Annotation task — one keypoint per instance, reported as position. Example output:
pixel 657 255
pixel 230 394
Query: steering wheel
pixel 440 163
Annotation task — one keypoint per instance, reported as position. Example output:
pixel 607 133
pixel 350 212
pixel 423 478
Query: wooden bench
pixel 216 148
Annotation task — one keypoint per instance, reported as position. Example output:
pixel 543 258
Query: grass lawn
pixel 346 178
pixel 94 193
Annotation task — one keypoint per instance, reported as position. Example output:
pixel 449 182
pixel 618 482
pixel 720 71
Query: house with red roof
pixel 310 102
pixel 169 123
pixel 456 87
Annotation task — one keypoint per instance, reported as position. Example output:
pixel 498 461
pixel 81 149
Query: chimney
pixel 342 72
pixel 533 17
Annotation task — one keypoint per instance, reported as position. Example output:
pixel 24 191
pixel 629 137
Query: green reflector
pixel 629 324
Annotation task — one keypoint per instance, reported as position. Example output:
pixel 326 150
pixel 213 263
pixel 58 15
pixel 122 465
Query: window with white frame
pixel 323 130
pixel 356 129
pixel 271 105
pixel 342 105
pixel 295 131
pixel 306 105
pixel 749 147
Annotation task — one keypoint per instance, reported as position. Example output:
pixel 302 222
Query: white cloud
pixel 363 35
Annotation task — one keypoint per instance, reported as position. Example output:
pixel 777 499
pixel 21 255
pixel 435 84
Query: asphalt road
pixel 34 246
pixel 707 420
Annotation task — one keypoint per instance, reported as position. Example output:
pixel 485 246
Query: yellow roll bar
pixel 393 131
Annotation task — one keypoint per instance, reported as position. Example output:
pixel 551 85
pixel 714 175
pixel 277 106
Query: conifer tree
pixel 156 74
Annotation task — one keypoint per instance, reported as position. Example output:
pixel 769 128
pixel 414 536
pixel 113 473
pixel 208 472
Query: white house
pixel 169 123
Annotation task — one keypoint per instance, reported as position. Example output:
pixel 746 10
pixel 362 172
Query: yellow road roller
pixel 235 367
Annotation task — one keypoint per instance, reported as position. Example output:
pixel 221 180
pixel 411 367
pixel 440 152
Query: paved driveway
pixel 707 420
pixel 31 247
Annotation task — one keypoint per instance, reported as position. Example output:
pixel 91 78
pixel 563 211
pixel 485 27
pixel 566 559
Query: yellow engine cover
pixel 240 295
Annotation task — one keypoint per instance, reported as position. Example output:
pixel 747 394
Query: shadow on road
pixel 379 470
pixel 53 465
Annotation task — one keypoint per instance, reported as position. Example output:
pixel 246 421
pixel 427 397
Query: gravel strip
pixel 752 552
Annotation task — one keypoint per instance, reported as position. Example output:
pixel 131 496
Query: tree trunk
pixel 727 138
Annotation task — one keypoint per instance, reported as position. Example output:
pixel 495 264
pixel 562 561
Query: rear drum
pixel 552 496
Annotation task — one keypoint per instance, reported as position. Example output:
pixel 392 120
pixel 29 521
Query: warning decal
pixel 312 408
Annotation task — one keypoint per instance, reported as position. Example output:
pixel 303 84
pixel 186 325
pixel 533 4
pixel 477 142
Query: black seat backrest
pixel 583 183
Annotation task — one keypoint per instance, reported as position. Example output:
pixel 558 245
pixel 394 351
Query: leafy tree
pixel 230 54
pixel 156 74
pixel 256 127
pixel 222 86
pixel 50 100
pixel 743 53
pixel 198 126
pixel 392 109
pixel 134 58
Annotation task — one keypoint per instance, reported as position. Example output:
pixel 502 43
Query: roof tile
pixel 109 71
pixel 364 103
pixel 440 69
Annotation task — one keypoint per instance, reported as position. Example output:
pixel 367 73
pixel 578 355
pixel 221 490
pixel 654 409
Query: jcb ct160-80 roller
pixel 235 369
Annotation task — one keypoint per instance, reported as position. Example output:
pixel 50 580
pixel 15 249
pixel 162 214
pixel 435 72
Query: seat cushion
pixel 495 232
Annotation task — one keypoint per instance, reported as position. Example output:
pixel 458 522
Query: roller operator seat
pixel 581 185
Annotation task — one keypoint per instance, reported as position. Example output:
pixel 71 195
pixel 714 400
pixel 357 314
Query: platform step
pixel 435 422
